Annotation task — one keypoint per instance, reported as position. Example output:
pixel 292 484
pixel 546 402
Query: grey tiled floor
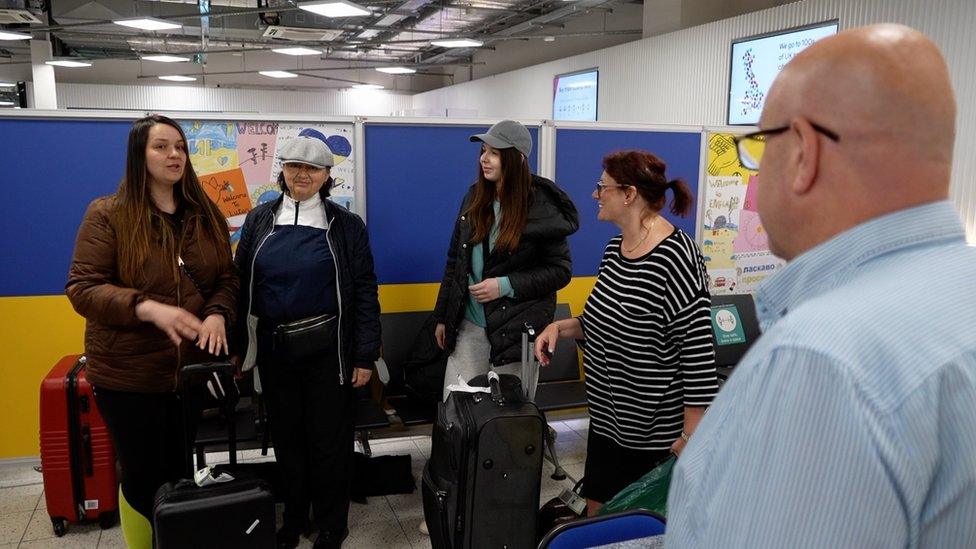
pixel 389 522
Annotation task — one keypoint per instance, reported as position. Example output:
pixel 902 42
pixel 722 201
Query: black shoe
pixel 287 538
pixel 330 540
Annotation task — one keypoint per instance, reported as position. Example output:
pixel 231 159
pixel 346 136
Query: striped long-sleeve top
pixel 648 350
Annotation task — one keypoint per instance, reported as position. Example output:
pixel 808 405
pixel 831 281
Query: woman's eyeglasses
pixel 600 186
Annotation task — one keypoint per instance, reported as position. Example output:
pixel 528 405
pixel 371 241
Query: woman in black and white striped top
pixel 648 352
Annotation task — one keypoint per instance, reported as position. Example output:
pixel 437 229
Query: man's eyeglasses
pixel 751 146
pixel 600 186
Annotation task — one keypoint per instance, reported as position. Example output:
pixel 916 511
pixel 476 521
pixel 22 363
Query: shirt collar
pixel 310 202
pixel 824 267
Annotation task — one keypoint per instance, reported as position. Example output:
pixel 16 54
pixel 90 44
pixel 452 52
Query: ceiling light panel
pixel 297 51
pixel 72 63
pixel 396 70
pixel 8 35
pixel 367 86
pixel 278 74
pixel 148 24
pixel 165 58
pixel 335 8
pixel 457 43
pixel 178 78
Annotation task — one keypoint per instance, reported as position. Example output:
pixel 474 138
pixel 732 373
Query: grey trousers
pixel 470 357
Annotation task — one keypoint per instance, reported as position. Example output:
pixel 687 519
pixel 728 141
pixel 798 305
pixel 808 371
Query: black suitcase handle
pixel 191 372
pixel 191 375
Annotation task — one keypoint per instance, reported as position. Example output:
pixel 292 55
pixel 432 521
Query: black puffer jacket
pixel 538 267
pixel 359 314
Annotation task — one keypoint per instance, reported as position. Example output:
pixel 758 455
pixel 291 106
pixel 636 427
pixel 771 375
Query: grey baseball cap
pixel 306 150
pixel 505 135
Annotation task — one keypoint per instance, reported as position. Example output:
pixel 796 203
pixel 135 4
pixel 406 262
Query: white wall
pixel 682 77
pixel 346 102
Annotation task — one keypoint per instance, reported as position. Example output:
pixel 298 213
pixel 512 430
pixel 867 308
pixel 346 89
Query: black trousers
pixel 147 431
pixel 311 417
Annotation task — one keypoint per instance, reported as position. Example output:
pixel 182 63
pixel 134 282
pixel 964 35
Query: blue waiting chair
pixel 604 530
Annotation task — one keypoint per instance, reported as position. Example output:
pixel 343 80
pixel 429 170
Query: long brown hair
pixel 136 213
pixel 515 192
pixel 645 172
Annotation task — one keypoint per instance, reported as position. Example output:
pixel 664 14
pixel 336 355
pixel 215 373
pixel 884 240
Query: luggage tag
pixel 462 387
pixel 204 477
pixel 573 500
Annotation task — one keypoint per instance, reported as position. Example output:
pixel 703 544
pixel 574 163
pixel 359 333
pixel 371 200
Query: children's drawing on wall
pixel 734 242
pixel 237 164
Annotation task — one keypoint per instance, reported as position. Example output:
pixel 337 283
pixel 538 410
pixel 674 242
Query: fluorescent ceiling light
pixel 335 8
pixel 148 23
pixel 8 84
pixel 165 58
pixel 278 74
pixel 297 51
pixel 458 43
pixel 367 86
pixel 8 35
pixel 6 103
pixel 396 70
pixel 177 78
pixel 64 62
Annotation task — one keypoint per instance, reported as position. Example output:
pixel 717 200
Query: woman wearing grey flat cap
pixel 309 303
pixel 508 257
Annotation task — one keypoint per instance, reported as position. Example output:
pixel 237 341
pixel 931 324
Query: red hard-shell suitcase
pixel 77 456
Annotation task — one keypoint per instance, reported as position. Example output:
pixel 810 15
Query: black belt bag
pixel 307 338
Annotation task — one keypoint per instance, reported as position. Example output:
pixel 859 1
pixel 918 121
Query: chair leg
pixel 363 438
pixel 201 456
pixel 558 472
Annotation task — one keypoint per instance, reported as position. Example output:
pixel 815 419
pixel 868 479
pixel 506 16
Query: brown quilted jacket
pixel 123 352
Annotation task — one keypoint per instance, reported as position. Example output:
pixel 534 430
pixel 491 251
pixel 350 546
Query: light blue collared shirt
pixel 852 421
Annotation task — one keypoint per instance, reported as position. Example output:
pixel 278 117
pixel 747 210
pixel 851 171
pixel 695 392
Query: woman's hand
pixel 545 343
pixel 678 446
pixel 175 322
pixel 360 376
pixel 213 335
pixel 440 335
pixel 485 291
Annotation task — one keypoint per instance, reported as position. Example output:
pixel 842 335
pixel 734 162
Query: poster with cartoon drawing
pixel 236 161
pixel 734 242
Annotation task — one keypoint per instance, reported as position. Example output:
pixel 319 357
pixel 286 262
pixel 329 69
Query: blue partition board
pixel 416 177
pixel 579 156
pixel 52 170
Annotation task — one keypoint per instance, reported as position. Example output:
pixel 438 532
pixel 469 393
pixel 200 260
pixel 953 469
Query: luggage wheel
pixel 108 520
pixel 60 526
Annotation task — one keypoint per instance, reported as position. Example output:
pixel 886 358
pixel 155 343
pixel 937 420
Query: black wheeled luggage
pixel 239 513
pixel 481 483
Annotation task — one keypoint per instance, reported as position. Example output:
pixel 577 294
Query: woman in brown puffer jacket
pixel 153 277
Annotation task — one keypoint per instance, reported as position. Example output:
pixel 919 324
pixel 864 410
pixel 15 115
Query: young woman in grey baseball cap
pixel 508 257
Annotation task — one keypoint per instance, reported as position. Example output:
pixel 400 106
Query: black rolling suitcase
pixel 481 483
pixel 239 513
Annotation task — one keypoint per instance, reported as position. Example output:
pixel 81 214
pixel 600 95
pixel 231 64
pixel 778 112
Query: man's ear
pixel 807 156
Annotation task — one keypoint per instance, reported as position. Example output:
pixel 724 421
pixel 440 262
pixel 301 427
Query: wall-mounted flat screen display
pixel 757 60
pixel 574 95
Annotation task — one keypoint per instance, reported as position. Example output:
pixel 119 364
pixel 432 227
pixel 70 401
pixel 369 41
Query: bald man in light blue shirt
pixel 852 421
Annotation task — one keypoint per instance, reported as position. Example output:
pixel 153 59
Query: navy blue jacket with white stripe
pixel 359 309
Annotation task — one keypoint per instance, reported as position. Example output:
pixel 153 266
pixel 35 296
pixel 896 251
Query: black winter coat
pixel 538 267
pixel 359 314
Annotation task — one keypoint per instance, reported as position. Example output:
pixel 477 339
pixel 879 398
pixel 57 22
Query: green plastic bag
pixel 650 492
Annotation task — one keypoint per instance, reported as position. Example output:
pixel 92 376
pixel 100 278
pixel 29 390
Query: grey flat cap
pixel 506 135
pixel 306 150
